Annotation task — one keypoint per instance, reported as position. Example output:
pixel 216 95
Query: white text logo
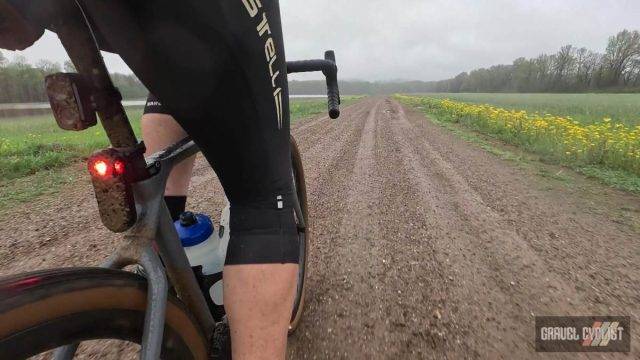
pixel 263 28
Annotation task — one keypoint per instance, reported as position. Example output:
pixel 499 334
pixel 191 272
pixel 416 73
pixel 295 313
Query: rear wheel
pixel 303 235
pixel 43 310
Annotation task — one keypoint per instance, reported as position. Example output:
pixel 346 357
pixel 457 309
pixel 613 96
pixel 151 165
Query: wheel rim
pixel 302 256
pixel 299 186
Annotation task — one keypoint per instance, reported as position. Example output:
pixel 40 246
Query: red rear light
pixel 112 175
pixel 101 168
pixel 105 167
pixel 118 167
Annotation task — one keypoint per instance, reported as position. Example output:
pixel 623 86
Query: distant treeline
pixel 21 82
pixel 357 87
pixel 570 70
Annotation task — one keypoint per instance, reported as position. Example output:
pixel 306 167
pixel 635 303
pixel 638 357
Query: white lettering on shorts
pixel 263 29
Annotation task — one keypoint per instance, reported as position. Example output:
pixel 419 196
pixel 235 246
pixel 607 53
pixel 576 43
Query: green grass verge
pixel 615 178
pixel 32 144
pixel 35 155
pixel 302 108
pixel 584 108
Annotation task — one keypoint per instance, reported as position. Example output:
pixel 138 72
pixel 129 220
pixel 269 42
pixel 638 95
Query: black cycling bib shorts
pixel 219 69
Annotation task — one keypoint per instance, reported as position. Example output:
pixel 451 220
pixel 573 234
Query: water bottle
pixel 206 250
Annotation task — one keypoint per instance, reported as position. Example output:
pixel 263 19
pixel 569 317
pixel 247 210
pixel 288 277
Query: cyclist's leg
pixel 219 66
pixel 258 300
pixel 159 130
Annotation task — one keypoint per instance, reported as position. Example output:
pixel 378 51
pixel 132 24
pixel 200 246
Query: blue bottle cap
pixel 193 229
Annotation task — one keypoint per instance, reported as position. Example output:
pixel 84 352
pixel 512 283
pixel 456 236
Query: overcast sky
pixel 428 39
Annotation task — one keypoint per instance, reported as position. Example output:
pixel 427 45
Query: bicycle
pixel 164 311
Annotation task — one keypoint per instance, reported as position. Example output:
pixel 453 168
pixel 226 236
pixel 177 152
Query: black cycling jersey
pixel 219 68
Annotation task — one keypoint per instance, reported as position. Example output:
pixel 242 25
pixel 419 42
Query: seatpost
pixel 76 36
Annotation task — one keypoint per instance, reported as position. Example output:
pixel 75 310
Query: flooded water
pixel 23 109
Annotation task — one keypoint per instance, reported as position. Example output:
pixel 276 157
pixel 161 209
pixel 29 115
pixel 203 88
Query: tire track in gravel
pixel 310 126
pixel 353 223
pixel 324 133
pixel 414 272
pixel 328 168
pixel 379 284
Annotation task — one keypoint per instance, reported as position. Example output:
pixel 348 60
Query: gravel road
pixel 425 245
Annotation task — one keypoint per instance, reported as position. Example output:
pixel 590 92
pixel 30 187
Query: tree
pixel 129 85
pixel 621 50
pixel 69 67
pixel 632 73
pixel 570 69
pixel 23 82
pixel 543 76
pixel 19 60
pixel 456 83
pixel 563 68
pixel 587 63
pixel 48 67
pixel 523 75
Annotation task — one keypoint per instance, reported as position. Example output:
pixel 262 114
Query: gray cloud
pixel 430 39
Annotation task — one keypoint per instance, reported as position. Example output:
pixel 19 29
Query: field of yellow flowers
pixel 611 145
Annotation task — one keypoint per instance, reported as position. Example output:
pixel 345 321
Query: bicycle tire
pixel 304 235
pixel 43 310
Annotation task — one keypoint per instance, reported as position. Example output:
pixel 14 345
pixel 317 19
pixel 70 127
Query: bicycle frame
pixel 153 228
pixel 153 231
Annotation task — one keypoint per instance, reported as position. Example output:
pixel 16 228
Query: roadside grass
pixel 584 108
pixel 32 144
pixel 36 157
pixel 302 108
pixel 525 152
